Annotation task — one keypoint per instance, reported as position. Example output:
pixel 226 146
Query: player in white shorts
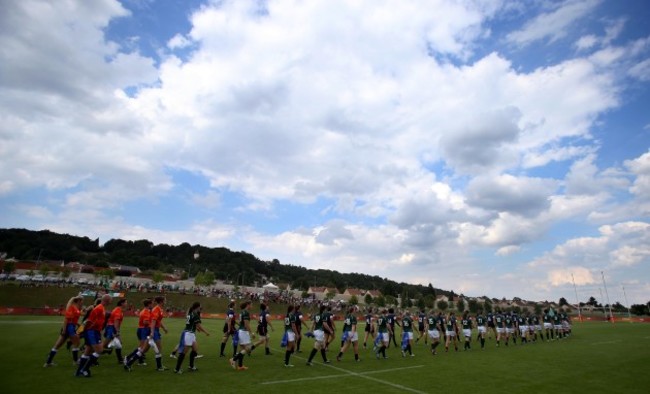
pixel 317 322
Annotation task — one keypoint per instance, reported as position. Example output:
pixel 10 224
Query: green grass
pixel 597 358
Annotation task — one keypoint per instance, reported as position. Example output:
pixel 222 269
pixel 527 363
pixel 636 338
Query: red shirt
pixel 157 316
pixel 116 316
pixel 72 314
pixel 145 318
pixel 96 319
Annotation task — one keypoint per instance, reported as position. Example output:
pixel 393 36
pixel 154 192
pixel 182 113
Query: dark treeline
pixel 240 268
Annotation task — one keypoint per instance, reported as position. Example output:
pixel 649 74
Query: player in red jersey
pixel 112 331
pixel 68 331
pixel 144 334
pixel 157 315
pixel 92 332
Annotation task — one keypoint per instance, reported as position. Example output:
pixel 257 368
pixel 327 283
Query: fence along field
pixel 598 358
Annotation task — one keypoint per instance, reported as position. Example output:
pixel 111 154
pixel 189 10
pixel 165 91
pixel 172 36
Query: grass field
pixel 597 358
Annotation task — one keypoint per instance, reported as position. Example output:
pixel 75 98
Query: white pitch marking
pixel 339 375
pixel 363 376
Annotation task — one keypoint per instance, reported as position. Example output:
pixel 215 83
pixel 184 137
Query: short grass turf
pixel 597 358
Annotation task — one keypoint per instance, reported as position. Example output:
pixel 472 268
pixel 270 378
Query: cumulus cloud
pixel 415 151
pixel 567 276
pixel 506 193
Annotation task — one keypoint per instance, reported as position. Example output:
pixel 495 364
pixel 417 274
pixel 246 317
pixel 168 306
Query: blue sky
pixel 488 147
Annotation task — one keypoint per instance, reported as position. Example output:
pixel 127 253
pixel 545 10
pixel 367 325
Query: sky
pixel 489 147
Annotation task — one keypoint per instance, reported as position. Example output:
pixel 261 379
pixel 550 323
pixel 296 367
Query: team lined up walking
pixel 380 329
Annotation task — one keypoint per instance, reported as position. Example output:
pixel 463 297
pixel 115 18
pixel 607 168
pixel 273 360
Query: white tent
pixel 270 287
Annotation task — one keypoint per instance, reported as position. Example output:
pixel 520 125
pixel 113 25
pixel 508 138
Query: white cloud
pixel 586 42
pixel 506 193
pixel 640 167
pixel 553 25
pixel 567 276
pixel 413 160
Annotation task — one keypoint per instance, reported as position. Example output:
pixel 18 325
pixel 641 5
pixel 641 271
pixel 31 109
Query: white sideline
pixel 362 375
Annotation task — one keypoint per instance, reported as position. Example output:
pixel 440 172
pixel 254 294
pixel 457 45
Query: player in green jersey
pixel 548 324
pixel 350 335
pixel 433 330
pixel 290 331
pixel 317 328
pixel 509 322
pixel 499 322
pixel 466 325
pixel 383 332
pixel 244 337
pixel 481 323
pixel 192 325
pixel 329 328
pixel 557 325
pixel 451 331
pixel 407 334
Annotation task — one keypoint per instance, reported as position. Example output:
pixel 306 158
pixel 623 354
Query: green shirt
pixel 407 324
pixel 480 320
pixel 193 319
pixel 431 321
pixel 382 324
pixel 244 315
pixel 466 323
pixel 318 321
pixel 289 321
pixel 350 320
pixel 451 324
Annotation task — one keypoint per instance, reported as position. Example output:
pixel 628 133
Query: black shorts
pixel 262 331
pixel 491 324
pixel 368 328
pixel 227 330
pixel 421 327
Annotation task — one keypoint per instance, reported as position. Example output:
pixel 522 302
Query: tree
pixel 204 278
pixel 404 299
pixel 431 290
pixel 429 301
pixel 538 309
pixel 421 304
pixel 330 295
pixel 9 267
pixel 157 277
pixel 44 270
pixel 460 305
pixel 443 305
pixel 487 306
pixel 66 272
pixel 390 300
pixel 473 306
pixel 563 302
pixel 380 301
pixel 639 309
pixel 367 299
pixel 354 300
